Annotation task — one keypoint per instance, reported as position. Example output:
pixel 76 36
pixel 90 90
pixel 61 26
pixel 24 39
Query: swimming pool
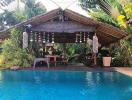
pixel 64 85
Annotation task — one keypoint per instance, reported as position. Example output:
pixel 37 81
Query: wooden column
pixel 110 48
pixel 43 44
pixel 95 58
pixel 64 49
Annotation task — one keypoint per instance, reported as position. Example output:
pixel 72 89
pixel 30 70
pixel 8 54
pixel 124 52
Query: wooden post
pixel 110 48
pixel 43 49
pixel 64 54
pixel 95 58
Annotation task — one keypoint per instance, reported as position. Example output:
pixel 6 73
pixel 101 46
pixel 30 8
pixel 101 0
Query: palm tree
pixel 4 3
pixel 32 8
pixel 9 18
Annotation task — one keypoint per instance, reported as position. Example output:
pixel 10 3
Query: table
pixel 52 56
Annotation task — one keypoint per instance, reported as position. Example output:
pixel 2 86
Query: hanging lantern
pixel 88 40
pixel 39 37
pixel 44 38
pixel 25 39
pixel 31 36
pixel 76 38
pixel 48 39
pixel 84 37
pixel 35 37
pixel 53 38
pixel 95 44
pixel 80 37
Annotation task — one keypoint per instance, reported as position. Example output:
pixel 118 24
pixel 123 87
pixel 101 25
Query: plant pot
pixel 106 61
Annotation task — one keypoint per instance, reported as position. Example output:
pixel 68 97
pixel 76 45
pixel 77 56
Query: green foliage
pixel 116 13
pixel 10 18
pixel 73 51
pixel 4 3
pixel 20 16
pixel 12 53
pixel 101 16
pixel 95 5
pixel 121 54
pixel 32 8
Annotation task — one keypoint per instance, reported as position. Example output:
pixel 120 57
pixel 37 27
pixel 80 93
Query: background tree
pixel 10 18
pixel 33 8
pixel 12 53
pixel 116 9
pixel 4 3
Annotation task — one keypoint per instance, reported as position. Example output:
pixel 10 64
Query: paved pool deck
pixel 124 70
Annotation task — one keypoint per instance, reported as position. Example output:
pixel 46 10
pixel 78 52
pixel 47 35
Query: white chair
pixel 41 59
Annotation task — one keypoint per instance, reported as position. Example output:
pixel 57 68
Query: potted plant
pixel 106 61
pixel 106 57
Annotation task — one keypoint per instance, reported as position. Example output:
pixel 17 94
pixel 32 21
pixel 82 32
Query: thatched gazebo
pixel 66 26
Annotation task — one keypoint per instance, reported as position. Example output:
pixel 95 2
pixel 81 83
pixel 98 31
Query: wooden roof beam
pixel 108 34
pixel 108 27
pixel 105 39
pixel 80 18
pixel 106 31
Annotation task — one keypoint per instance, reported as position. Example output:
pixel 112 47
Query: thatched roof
pixel 106 33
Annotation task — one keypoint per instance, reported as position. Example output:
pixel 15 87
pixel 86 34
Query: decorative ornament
pixel 84 37
pixel 88 40
pixel 53 38
pixel 76 38
pixel 80 37
pixel 95 44
pixel 31 36
pixel 39 37
pixel 25 39
pixel 44 38
pixel 35 37
pixel 48 38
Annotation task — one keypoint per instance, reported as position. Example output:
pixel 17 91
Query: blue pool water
pixel 64 85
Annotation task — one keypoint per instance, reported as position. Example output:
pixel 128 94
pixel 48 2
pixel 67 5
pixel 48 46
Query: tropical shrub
pixel 13 54
pixel 116 13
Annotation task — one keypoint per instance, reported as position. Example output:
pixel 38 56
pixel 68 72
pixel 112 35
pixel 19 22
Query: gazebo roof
pixel 106 33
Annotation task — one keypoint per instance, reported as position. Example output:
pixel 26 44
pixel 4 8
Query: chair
pixel 41 59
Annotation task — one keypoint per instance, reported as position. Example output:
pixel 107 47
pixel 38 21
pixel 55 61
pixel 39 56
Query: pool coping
pixel 124 70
